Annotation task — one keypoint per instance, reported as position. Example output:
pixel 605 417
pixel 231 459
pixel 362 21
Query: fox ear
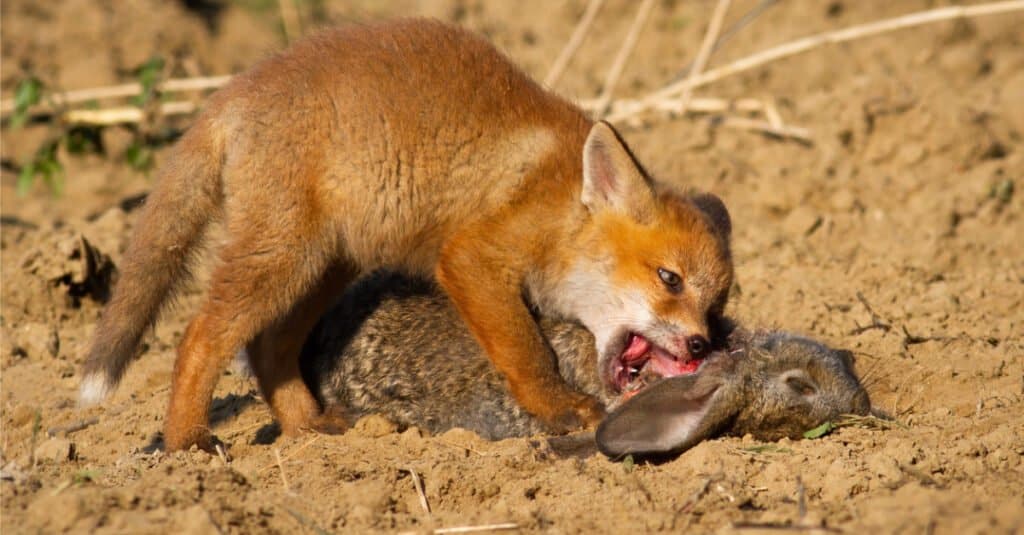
pixel 611 177
pixel 715 209
pixel 670 416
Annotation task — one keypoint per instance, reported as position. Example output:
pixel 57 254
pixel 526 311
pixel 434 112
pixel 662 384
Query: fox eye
pixel 672 280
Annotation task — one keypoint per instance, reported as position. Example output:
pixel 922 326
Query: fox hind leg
pixel 274 356
pixel 261 277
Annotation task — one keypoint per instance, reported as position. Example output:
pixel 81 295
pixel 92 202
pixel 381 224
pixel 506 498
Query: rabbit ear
pixel 670 416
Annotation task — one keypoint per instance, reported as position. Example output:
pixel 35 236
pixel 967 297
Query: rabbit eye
pixel 801 386
pixel 671 279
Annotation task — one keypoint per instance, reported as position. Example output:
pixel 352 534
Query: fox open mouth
pixel 642 363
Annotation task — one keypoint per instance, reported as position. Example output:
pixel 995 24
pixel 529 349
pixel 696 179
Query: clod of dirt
pixel 57 449
pixel 195 519
pixel 374 426
pixel 70 261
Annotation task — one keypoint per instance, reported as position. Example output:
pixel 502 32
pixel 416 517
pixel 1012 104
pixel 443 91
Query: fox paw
pixel 583 412
pixel 199 437
pixel 329 422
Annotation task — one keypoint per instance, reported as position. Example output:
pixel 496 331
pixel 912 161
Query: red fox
pixel 414 146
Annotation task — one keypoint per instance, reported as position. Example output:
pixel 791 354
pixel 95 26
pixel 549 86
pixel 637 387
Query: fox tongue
pixel 667 365
pixel 637 348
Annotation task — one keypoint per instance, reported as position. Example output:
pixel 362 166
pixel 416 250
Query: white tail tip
pixel 94 389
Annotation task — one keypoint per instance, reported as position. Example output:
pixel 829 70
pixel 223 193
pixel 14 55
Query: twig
pixel 37 425
pixel 221 453
pixel 837 36
pixel 791 132
pixel 474 529
pixel 289 19
pixel 280 467
pixel 773 526
pixel 620 59
pixel 417 483
pixel 72 428
pixel 714 28
pixel 772 114
pixel 127 90
pixel 801 498
pixel 699 493
pixel 876 320
pixel 910 339
pixel 294 453
pixel 126 114
pixel 868 422
pixel 732 30
pixel 697 105
pixel 575 40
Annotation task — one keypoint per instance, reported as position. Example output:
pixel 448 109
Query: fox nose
pixel 698 346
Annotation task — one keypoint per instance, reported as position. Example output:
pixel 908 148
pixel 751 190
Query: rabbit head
pixel 766 383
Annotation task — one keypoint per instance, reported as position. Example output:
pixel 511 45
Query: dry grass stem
pixel 290 20
pixel 789 132
pixel 869 421
pixel 624 108
pixel 575 40
pixel 125 90
pixel 417 483
pixel 710 38
pixel 832 37
pixel 620 59
pixel 125 114
pixel 222 454
pixel 280 468
pixel 292 454
pixel 475 529
pixel 732 30
pixel 772 114
pixel 72 428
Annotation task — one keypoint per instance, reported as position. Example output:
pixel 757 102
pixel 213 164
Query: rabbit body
pixel 395 346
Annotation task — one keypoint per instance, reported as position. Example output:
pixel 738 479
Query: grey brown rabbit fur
pixel 395 346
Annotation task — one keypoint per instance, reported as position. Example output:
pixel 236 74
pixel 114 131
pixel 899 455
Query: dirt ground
pixel 896 233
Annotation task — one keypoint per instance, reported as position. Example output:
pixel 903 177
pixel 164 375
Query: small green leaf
pixel 139 156
pixel 628 464
pixel 819 431
pixel 26 95
pixel 44 163
pixel 1002 190
pixel 84 476
pixel 26 178
pixel 148 75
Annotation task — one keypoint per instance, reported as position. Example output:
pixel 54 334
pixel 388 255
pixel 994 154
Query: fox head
pixel 653 270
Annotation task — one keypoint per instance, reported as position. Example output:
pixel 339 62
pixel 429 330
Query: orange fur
pixel 408 145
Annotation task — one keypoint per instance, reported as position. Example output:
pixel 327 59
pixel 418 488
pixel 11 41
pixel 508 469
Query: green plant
pixel 44 163
pixel 148 74
pixel 819 431
pixel 27 94
pixel 139 155
pixel 82 477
